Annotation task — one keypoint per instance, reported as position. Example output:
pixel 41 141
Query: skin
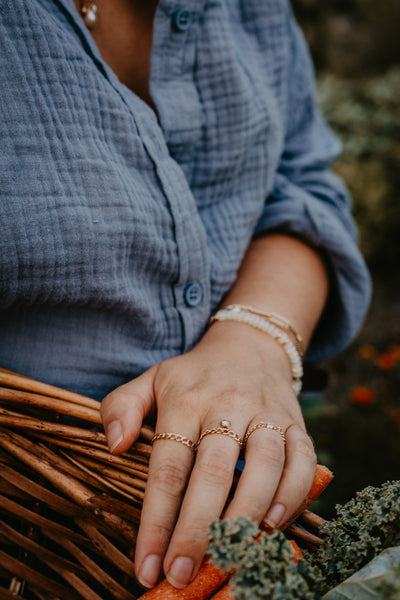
pixel 124 36
pixel 235 372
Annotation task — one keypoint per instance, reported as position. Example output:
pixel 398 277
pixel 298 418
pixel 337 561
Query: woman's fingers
pixel 170 466
pixel 124 409
pixel 180 502
pixel 297 476
pixel 205 498
pixel 264 463
pixel 277 475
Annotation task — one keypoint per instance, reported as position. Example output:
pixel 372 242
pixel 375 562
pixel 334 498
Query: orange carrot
pixel 323 476
pixel 207 580
pixel 297 553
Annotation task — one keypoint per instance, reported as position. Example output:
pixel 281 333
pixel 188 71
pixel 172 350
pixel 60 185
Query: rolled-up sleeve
pixel 310 201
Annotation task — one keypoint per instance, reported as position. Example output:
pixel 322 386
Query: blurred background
pixel 355 420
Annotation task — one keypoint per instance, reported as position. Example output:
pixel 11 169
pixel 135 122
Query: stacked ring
pixel 264 425
pixel 174 437
pixel 224 428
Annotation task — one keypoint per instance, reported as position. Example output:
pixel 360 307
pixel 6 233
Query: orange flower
pixel 394 351
pixel 362 395
pixel 386 361
pixel 367 351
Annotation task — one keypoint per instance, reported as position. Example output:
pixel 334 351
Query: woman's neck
pixel 123 32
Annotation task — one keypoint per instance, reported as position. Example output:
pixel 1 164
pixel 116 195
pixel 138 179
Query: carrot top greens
pixel 264 563
pixel 364 527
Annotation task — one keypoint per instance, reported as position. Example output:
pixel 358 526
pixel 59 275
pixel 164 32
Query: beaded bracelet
pixel 238 313
pixel 277 320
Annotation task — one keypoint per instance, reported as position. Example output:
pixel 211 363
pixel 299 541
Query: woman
pixel 160 162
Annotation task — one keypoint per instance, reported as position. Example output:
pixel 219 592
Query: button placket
pixel 181 121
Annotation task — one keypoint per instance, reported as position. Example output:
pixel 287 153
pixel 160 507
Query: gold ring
pixel 174 437
pixel 263 425
pixel 224 428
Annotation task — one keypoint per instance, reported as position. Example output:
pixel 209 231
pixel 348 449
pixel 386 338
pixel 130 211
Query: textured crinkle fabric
pixel 121 230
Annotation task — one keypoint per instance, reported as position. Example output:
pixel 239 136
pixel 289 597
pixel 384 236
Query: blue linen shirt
pixel 121 230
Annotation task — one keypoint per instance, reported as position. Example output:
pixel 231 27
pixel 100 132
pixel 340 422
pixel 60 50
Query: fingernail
pixel 114 435
pixel 150 570
pixel 275 515
pixel 181 571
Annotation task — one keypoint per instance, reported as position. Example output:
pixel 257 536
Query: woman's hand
pixel 235 373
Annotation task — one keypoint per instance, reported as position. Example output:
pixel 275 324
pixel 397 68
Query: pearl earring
pixel 89 13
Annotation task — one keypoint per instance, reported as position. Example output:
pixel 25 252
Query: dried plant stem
pixel 119 593
pixel 32 424
pixel 32 386
pixel 15 380
pixel 106 548
pixel 311 520
pixel 93 494
pixel 147 433
pixel 39 492
pixel 305 538
pixel 9 490
pixel 21 541
pixel 72 488
pixel 24 572
pixel 32 517
pixel 46 454
pixel 129 491
pixel 8 594
pixel 62 407
pixel 124 461
pixel 79 586
pixel 138 482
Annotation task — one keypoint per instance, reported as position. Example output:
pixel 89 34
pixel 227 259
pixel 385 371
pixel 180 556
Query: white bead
pixel 237 314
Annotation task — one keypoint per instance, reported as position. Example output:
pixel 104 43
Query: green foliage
pixel 264 566
pixel 356 424
pixel 364 527
pixel 365 115
pixel 349 37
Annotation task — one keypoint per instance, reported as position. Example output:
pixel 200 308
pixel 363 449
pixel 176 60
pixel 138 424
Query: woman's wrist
pixel 272 325
pixel 245 343
pixel 254 316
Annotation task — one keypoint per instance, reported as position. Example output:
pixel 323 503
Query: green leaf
pixel 365 583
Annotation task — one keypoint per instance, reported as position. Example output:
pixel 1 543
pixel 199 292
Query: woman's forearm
pixel 284 275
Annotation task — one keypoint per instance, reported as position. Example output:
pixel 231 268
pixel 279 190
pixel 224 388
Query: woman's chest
pixel 123 32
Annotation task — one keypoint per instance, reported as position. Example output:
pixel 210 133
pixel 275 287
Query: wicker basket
pixel 69 510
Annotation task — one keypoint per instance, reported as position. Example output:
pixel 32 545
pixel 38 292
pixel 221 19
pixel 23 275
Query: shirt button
pixel 182 19
pixel 193 294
